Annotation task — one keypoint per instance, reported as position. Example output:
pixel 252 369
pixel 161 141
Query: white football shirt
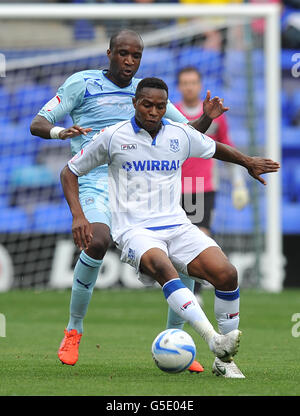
pixel 144 173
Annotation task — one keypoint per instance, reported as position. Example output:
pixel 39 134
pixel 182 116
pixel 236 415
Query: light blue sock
pixel 85 276
pixel 174 320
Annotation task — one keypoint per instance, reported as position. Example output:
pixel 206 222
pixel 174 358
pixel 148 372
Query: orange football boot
pixel 195 367
pixel 68 350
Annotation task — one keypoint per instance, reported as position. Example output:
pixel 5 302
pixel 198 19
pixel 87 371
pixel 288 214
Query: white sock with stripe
pixel 227 310
pixel 184 303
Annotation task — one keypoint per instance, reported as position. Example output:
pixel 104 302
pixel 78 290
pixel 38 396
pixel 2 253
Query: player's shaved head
pixel 124 53
pixel 124 33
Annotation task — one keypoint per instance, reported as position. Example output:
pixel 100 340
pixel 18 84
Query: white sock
pixel 227 307
pixel 184 303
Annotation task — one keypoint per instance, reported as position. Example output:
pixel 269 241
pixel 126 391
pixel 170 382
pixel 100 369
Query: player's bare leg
pixel 85 275
pixel 156 263
pixel 214 266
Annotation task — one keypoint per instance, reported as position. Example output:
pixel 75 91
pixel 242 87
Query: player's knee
pixel 98 247
pixel 159 269
pixel 227 278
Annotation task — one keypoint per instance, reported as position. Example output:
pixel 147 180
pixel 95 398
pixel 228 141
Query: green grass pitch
pixel 115 357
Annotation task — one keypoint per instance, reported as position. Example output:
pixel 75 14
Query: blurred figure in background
pixel 191 106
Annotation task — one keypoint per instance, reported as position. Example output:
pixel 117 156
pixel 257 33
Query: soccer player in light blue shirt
pixel 96 99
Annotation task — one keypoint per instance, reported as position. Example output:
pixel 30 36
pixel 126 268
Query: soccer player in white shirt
pixel 149 226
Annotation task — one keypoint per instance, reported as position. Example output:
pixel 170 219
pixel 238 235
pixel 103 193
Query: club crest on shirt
pixel 174 145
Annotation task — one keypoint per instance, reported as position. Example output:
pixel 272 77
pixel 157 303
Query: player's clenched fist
pixel 73 131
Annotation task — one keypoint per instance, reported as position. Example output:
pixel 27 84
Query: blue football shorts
pixel 93 196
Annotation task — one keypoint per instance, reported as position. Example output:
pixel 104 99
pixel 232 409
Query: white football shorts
pixel 182 244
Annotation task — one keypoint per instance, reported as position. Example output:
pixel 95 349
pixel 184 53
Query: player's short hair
pixel 151 83
pixel 113 39
pixel 188 69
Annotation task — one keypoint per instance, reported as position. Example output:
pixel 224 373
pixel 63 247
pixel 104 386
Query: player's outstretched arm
pixel 81 228
pixel 256 166
pixel 212 108
pixel 41 127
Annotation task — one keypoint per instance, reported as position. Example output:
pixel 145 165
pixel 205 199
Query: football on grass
pixel 173 350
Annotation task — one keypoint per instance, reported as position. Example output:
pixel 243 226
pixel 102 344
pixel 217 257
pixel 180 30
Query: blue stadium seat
pixel 27 53
pixel 29 185
pixel 7 165
pixel 235 94
pixel 52 218
pixel 296 181
pixel 287 181
pixel 28 99
pixel 291 218
pixel 83 29
pixel 294 105
pixel 235 63
pixel 286 106
pixel 4 121
pixel 238 122
pixel 13 220
pixel 16 139
pixel 286 59
pixel 157 62
pixel 4 198
pixel 290 138
pixel 213 83
pixel 5 103
pixel 241 136
pixel 32 176
pixel 229 220
pixel 234 223
pixel 207 61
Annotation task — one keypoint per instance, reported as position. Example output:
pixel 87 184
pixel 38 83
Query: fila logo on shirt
pixel 144 165
pixel 128 146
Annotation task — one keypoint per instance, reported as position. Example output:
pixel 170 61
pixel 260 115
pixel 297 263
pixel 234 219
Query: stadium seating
pixel 5 104
pixel 14 219
pixel 290 141
pixel 83 30
pixel 228 220
pixel 291 218
pixel 149 66
pixel 294 107
pixel 203 59
pixel 286 59
pixel 28 99
pixel 236 63
pixel 52 218
pixel 23 158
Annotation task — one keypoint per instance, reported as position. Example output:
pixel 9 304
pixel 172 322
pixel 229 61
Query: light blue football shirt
pixel 94 101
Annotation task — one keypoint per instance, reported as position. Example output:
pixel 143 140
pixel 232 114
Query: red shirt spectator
pixel 193 167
